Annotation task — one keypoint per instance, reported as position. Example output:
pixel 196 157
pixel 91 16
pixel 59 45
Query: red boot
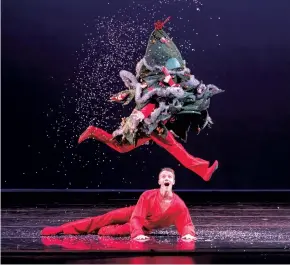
pixel 202 169
pixel 211 170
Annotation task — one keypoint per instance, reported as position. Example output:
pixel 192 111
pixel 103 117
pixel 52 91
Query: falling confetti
pixel 113 43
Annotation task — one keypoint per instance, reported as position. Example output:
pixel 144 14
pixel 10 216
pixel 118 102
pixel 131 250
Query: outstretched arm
pixel 184 223
pixel 138 216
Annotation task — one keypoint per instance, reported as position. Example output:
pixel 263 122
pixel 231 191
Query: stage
pixel 226 232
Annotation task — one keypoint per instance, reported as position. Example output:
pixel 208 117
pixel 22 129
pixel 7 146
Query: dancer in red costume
pixel 167 141
pixel 158 208
pixel 154 82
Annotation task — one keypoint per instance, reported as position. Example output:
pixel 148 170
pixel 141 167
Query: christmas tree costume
pixel 168 102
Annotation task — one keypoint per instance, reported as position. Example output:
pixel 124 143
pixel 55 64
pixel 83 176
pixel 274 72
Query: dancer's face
pixel 166 179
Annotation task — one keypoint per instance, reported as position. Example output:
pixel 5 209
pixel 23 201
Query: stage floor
pixel 231 229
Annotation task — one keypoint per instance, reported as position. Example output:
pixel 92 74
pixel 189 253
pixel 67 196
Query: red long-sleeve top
pixel 148 215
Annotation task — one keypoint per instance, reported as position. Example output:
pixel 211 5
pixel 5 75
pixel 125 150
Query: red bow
pixel 160 24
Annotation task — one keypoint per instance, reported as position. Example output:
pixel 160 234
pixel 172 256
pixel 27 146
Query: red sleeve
pixel 183 222
pixel 138 216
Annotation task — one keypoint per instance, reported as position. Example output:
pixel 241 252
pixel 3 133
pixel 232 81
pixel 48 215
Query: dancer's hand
pixel 142 238
pixel 188 237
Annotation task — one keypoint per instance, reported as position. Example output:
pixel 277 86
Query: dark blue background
pixel 250 137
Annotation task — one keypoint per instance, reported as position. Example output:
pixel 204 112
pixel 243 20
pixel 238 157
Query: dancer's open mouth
pixel 166 184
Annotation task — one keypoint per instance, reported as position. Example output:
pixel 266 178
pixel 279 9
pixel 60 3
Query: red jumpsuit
pixel 136 220
pixel 195 164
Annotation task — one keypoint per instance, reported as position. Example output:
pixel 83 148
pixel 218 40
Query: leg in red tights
pixel 106 138
pixel 91 224
pixel 195 164
pixel 115 230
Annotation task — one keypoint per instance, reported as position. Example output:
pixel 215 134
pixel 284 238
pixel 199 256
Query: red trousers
pixel 195 164
pixel 113 223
